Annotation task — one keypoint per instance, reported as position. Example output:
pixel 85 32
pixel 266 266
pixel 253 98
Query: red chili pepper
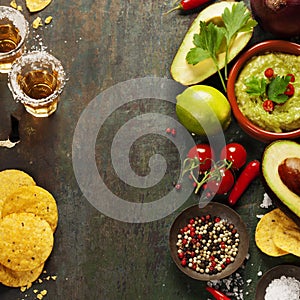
pixel 268 105
pixel 249 173
pixel 292 77
pixel 188 5
pixel 290 90
pixel 217 294
pixel 269 72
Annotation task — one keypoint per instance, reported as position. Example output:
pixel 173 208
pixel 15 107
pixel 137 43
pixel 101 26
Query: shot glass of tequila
pixel 37 79
pixel 13 31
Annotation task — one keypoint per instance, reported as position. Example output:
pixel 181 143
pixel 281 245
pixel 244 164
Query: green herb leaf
pixel 207 44
pixel 277 87
pixel 256 86
pixel 235 21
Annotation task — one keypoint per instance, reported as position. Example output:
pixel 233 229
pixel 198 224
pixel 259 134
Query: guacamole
pixel 284 117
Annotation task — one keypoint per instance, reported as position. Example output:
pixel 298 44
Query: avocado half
pixel 188 74
pixel 280 184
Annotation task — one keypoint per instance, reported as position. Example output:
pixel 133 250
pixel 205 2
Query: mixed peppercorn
pixel 207 244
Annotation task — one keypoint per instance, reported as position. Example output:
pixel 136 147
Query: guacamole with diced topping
pixel 284 117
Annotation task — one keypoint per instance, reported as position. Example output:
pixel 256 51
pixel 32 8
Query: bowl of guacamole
pixel 263 89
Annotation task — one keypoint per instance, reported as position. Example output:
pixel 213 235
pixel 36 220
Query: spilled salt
pixel 267 201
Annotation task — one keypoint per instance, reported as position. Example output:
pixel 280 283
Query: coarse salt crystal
pixel 267 201
pixel 284 288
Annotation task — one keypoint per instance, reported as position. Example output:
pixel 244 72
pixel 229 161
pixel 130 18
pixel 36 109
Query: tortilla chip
pixel 265 230
pixel 32 199
pixel 11 180
pixel 287 237
pixel 26 241
pixel 37 5
pixel 18 279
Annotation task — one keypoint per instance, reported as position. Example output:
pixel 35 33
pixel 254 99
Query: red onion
pixel 279 17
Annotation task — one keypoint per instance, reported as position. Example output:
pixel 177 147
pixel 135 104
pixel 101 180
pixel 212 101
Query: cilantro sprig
pixel 273 89
pixel 256 86
pixel 208 42
pixel 277 87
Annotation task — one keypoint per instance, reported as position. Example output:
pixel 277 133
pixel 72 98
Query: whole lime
pixel 203 110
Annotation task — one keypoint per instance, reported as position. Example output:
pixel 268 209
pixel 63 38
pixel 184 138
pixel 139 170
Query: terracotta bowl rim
pixel 246 124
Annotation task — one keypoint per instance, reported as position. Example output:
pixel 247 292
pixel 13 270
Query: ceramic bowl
pixel 275 273
pixel 218 210
pixel 247 126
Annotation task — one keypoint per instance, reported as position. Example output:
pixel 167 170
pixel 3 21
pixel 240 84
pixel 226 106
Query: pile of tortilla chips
pixel 28 219
pixel 276 234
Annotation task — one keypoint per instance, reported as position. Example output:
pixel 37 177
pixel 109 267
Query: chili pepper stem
pixel 179 6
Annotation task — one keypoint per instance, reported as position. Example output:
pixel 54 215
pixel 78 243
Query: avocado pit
pixel 289 172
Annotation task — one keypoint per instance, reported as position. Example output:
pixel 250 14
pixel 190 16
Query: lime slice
pixel 203 110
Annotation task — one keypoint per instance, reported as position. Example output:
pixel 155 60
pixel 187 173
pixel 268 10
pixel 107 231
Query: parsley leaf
pixel 277 87
pixel 208 41
pixel 235 21
pixel 256 86
pixel 207 44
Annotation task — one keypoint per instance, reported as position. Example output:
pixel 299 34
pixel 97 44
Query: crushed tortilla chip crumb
pixel 48 20
pixel 35 291
pixel 37 5
pixel 37 23
pixel 13 4
pixel 23 289
pixel 19 7
pixel 39 296
pixel 40 280
pixel 54 277
pixel 43 292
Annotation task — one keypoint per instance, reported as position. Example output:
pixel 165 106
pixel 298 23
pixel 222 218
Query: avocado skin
pixel 272 194
pixel 279 203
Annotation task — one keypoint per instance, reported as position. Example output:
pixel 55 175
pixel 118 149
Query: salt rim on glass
pixel 18 20
pixel 35 60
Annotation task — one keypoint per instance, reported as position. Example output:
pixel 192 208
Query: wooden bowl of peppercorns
pixel 208 243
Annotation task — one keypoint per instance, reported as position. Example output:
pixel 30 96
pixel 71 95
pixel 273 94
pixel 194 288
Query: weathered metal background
pixel 100 44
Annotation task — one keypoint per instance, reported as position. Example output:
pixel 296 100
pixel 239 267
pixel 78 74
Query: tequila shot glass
pixel 14 29
pixel 37 79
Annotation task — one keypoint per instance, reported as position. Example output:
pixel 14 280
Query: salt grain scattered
pixel 267 201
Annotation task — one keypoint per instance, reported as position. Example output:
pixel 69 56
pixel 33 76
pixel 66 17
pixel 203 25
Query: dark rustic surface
pixel 100 44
